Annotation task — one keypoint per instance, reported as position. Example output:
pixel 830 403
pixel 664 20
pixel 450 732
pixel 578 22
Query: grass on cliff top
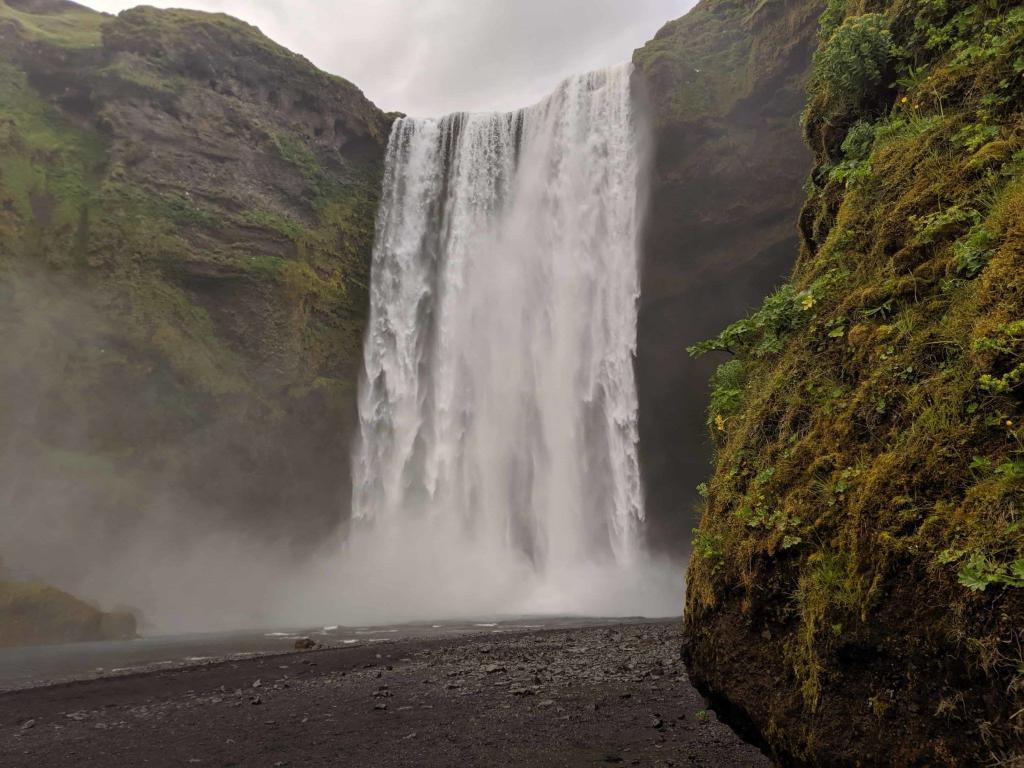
pixel 705 54
pixel 174 26
pixel 71 26
pixel 871 425
pixel 147 30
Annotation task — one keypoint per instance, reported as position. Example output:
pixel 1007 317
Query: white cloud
pixel 428 57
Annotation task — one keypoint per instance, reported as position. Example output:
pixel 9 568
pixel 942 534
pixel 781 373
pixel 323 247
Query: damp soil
pixel 611 695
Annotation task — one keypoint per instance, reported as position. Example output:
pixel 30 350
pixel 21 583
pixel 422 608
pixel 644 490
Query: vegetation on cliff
pixel 186 219
pixel 862 546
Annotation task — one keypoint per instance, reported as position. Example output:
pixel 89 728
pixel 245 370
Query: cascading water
pixel 497 467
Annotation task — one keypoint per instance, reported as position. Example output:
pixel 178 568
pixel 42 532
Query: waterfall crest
pixel 497 459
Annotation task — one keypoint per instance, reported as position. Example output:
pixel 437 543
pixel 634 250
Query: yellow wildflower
pixel 720 423
pixel 904 100
pixel 808 303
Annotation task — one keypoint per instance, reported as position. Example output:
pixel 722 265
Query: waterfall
pixel 497 460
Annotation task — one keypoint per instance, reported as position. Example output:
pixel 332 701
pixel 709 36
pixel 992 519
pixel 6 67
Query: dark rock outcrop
pixel 725 89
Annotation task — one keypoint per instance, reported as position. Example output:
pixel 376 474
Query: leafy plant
pixel 859 140
pixel 952 220
pixel 976 135
pixel 1006 343
pixel 708 547
pixel 979 573
pixel 764 332
pixel 973 252
pixel 726 392
pixel 851 65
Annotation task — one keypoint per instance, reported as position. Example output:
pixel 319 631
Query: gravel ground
pixel 581 697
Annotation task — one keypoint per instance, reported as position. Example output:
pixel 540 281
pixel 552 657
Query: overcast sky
pixel 430 57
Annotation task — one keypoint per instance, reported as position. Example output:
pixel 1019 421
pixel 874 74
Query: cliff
pixel 33 614
pixel 724 86
pixel 856 594
pixel 186 220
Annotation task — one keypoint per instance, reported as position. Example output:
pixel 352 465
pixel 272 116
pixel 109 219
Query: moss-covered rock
pixel 857 589
pixel 186 220
pixel 35 614
pixel 725 90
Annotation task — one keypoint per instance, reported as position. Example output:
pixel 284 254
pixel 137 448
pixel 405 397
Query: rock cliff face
pixel 856 594
pixel 186 220
pixel 725 85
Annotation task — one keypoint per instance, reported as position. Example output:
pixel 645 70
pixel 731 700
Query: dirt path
pixel 585 697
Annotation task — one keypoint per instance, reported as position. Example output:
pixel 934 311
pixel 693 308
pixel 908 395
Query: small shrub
pixel 830 20
pixel 973 252
pixel 851 65
pixel 979 573
pixel 726 393
pixel 857 146
pixel 709 547
pixel 859 140
pixel 976 135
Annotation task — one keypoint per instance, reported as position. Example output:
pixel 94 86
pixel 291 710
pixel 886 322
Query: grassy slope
pixel 179 315
pixel 864 528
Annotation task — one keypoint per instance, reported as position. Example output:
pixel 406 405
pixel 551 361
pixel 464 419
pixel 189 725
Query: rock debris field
pixel 584 697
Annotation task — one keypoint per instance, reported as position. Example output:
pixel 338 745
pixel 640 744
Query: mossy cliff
pixel 186 219
pixel 856 594
pixel 725 89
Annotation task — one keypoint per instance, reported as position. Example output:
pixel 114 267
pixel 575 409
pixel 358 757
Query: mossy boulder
pixel 856 596
pixel 35 614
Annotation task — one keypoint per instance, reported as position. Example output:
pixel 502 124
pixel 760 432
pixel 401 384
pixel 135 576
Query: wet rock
pixel 305 644
pixel 28 724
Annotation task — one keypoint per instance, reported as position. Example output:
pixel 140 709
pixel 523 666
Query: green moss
pixel 73 26
pixel 173 32
pixel 282 225
pixel 144 77
pixel 706 56
pixel 49 166
pixel 296 152
pixel 888 412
